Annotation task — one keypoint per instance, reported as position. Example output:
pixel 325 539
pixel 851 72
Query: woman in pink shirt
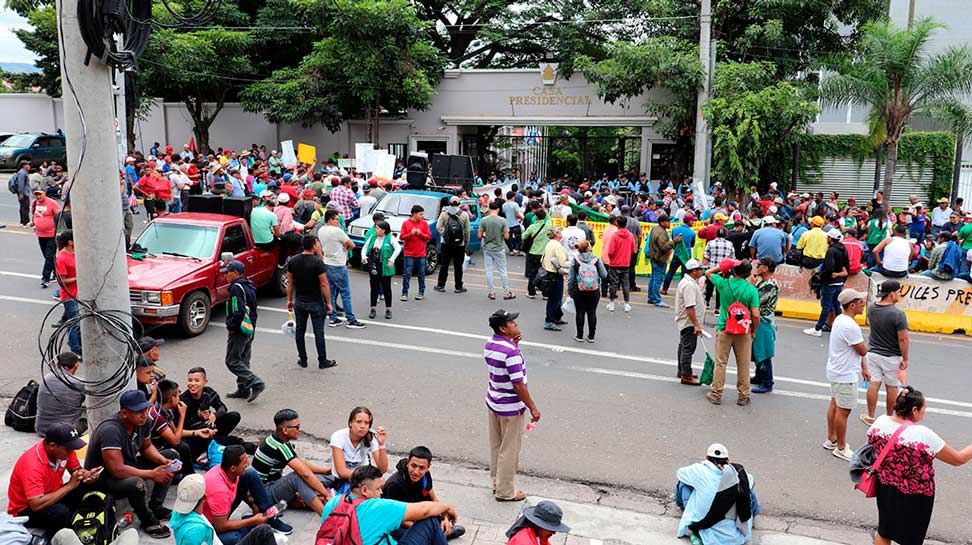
pixel 537 525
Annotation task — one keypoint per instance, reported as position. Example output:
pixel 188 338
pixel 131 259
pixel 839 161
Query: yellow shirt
pixel 554 249
pixel 813 243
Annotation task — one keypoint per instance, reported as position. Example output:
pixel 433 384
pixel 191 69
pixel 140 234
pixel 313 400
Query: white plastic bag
pixel 290 326
pixel 568 306
pixel 465 262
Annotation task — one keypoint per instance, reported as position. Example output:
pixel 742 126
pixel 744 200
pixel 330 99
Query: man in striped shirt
pixel 507 399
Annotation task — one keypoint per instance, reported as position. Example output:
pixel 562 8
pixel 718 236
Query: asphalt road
pixel 613 413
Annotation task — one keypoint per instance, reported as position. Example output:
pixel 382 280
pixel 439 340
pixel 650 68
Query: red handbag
pixel 869 479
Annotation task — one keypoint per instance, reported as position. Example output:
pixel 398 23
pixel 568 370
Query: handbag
pixel 869 479
pixel 246 326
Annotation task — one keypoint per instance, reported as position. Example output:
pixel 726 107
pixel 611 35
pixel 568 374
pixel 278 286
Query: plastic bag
pixel 568 306
pixel 289 327
pixel 708 369
pixel 465 262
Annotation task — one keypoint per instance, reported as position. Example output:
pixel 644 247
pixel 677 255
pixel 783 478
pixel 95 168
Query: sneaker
pixel 590 340
pixel 579 339
pixel 326 364
pixel 439 288
pixel 381 297
pixel 302 363
pixel 44 284
pixel 627 307
pixel 457 531
pixel 826 329
pixel 610 306
pixel 388 314
pixel 420 296
pixel 335 322
pixel 829 445
pixel 157 531
pixel 255 392
pixel 404 297
pixel 461 290
pixel 551 327
pixel 813 332
pixel 662 305
pixel 280 526
pixel 354 324
pixel 715 313
pixel 372 314
pixel 162 513
pixel 762 389
pixel 846 454
pixel 531 296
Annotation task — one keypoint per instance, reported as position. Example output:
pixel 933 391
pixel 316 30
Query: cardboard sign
pixel 287 155
pixel 307 154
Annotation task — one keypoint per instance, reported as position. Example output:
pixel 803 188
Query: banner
pixel 384 164
pixel 307 154
pixel 287 155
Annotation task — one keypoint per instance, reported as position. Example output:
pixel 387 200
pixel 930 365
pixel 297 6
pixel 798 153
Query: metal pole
pixel 96 202
pixel 701 130
pixel 121 111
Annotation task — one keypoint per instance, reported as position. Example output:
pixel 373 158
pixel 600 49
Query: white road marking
pixel 27 300
pixel 21 275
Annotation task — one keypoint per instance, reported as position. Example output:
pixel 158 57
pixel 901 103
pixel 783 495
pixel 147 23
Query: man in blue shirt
pixel 769 241
pixel 378 518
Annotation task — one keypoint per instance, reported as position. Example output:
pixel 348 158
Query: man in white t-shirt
pixel 335 244
pixel 571 236
pixel 846 361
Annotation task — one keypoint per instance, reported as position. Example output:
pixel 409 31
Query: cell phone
pixel 95 474
pixel 176 465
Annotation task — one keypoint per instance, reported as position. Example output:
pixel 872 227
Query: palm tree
pixel 894 74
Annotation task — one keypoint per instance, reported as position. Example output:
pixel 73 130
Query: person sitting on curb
pixel 227 485
pixel 308 481
pixel 168 425
pixel 412 483
pixel 537 525
pixel 378 517
pixel 717 500
pixel 357 445
pixel 60 397
pixel 192 528
pixel 206 414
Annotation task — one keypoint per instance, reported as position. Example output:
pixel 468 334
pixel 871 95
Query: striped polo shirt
pixel 505 365
pixel 272 457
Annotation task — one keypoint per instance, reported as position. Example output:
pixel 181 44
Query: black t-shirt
pixel 111 435
pixel 738 239
pixel 306 270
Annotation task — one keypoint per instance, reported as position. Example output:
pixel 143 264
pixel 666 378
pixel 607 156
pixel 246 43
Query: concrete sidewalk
pixel 595 517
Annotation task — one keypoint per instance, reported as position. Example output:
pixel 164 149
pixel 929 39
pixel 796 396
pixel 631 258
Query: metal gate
pixel 965 185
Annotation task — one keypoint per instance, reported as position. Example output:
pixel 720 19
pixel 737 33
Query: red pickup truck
pixel 178 279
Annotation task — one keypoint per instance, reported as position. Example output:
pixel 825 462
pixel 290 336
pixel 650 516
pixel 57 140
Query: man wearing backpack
pixel 365 518
pixel 20 185
pixel 453 228
pixel 738 321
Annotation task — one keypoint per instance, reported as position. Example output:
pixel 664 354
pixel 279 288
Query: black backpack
pixel 22 412
pixel 453 231
pixel 95 520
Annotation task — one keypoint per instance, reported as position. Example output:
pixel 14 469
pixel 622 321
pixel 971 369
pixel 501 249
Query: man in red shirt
pixel 67 277
pixel 619 251
pixel 415 235
pixel 37 488
pixel 42 212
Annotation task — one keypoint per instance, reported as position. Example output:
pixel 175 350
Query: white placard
pixel 362 153
pixel 384 164
pixel 287 154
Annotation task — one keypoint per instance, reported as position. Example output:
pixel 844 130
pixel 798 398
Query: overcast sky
pixel 11 49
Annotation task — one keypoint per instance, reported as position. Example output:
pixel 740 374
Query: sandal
pixel 868 421
pixel 509 296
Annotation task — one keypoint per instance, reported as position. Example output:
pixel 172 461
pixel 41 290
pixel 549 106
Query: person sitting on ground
pixel 192 528
pixel 60 402
pixel 37 489
pixel 717 500
pixel 412 483
pixel 946 260
pixel 893 254
pixel 358 445
pixel 308 481
pixel 206 414
pixel 145 378
pixel 227 485
pixel 537 525
pixel 378 517
pixel 168 425
pixel 122 445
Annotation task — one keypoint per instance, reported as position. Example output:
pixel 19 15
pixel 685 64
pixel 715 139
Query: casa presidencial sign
pixel 549 93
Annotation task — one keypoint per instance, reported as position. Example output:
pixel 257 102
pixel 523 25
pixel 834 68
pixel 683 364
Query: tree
pixel 754 121
pixel 358 69
pixel 41 39
pixel 894 74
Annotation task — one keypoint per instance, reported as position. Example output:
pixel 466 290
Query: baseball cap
pixel 309 194
pixel 64 434
pixel 501 318
pixel 721 217
pixel 692 264
pixel 943 200
pixel 888 286
pixel 688 218
pixel 817 221
pixel 835 234
pixel 147 343
pixel 134 400
pixel 366 189
pixel 848 295
pixel 191 490
pixel 769 220
pixel 38 189
pixel 726 265
pixel 283 198
pixel 266 194
pixel 129 159
pixel 717 450
pixel 235 266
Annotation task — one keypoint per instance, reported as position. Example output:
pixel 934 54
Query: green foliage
pixel 42 41
pixel 754 122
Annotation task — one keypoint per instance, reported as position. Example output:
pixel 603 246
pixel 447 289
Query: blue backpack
pixel 12 184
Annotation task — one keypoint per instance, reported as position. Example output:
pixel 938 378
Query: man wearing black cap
pixel 37 488
pixel 123 446
pixel 240 309
pixel 887 347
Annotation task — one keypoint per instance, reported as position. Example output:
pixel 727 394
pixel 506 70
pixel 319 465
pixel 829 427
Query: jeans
pixel 631 270
pixel 71 309
pixel 890 274
pixel 453 255
pixel 47 248
pixel 24 205
pixel 249 484
pixel 496 258
pixel 828 302
pixel 585 302
pixel 54 517
pixel 238 360
pixel 424 532
pixel 532 266
pixel 655 282
pixel 380 284
pixel 318 314
pixel 555 298
pixel 337 277
pixel 618 275
pixel 225 425
pixel 251 535
pixel 418 264
pixel 764 373
pixel 687 343
pixel 672 269
pixel 175 205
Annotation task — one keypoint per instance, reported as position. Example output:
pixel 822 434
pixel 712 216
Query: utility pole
pixel 699 171
pixel 96 203
pixel 911 13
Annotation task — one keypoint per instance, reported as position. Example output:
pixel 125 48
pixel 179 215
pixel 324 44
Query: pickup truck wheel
pixel 194 314
pixel 280 281
pixel 431 259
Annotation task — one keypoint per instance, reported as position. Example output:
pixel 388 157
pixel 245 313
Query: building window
pixel 398 150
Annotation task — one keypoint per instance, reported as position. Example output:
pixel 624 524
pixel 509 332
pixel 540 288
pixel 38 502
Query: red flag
pixel 192 143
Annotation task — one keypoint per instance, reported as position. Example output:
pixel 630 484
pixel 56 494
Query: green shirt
pixel 732 290
pixel 261 225
pixel 876 233
pixel 528 219
pixel 494 228
pixel 538 232
pixel 965 234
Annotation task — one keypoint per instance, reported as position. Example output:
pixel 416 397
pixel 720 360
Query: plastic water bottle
pixel 276 509
pixel 865 384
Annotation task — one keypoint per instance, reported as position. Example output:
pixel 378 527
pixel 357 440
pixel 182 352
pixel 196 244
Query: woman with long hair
pixel 378 256
pixel 585 289
pixel 357 445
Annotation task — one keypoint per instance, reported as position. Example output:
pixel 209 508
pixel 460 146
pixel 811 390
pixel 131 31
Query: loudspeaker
pixel 454 171
pixel 238 206
pixel 205 204
pixel 460 167
pixel 440 169
pixel 417 170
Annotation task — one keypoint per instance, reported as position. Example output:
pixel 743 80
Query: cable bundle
pixel 102 20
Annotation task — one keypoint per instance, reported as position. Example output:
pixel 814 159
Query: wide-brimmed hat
pixel 547 515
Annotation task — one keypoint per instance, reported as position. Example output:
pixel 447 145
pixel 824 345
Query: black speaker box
pixel 204 204
pixel 418 170
pixel 239 207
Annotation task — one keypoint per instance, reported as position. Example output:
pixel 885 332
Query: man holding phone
pixel 123 446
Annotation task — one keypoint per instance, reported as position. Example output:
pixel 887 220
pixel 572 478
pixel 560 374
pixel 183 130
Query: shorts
pixel 844 394
pixel 884 368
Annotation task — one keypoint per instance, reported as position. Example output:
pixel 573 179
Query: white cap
pixel 773 185
pixel 129 159
pixel 266 194
pixel 835 234
pixel 693 264
pixel 769 220
pixel 715 450
pixel 283 198
pixel 191 490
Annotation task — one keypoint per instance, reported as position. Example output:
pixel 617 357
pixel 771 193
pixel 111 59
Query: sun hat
pixel 547 515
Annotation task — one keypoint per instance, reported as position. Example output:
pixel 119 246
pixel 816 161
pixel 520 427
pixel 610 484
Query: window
pixel 398 150
pixel 173 239
pixel 53 142
pixel 234 241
